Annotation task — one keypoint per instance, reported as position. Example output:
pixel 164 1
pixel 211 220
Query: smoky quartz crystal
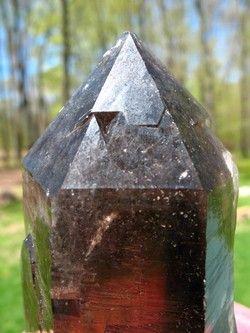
pixel 129 203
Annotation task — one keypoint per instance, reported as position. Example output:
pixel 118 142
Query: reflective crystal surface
pixel 130 206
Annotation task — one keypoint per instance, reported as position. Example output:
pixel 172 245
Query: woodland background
pixel 48 47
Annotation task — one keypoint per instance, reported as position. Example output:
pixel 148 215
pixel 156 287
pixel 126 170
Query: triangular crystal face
pixel 95 172
pixel 130 89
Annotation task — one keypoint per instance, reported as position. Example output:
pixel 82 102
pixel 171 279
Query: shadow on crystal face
pixel 130 208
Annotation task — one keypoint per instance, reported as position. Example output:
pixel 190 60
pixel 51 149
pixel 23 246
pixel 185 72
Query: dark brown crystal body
pixel 130 209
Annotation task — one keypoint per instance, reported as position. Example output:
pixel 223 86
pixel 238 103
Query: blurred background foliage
pixel 47 48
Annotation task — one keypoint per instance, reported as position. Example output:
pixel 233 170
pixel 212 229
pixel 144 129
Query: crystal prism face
pixel 130 207
pixel 123 260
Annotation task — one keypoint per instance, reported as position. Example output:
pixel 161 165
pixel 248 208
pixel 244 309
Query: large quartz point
pixel 129 205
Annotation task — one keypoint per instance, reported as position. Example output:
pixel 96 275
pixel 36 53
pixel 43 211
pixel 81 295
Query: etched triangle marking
pixel 104 120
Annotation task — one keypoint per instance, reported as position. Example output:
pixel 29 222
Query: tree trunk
pixel 100 26
pixel 206 75
pixel 24 116
pixel 142 19
pixel 5 111
pixel 42 107
pixel 173 38
pixel 66 54
pixel 245 81
pixel 168 37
